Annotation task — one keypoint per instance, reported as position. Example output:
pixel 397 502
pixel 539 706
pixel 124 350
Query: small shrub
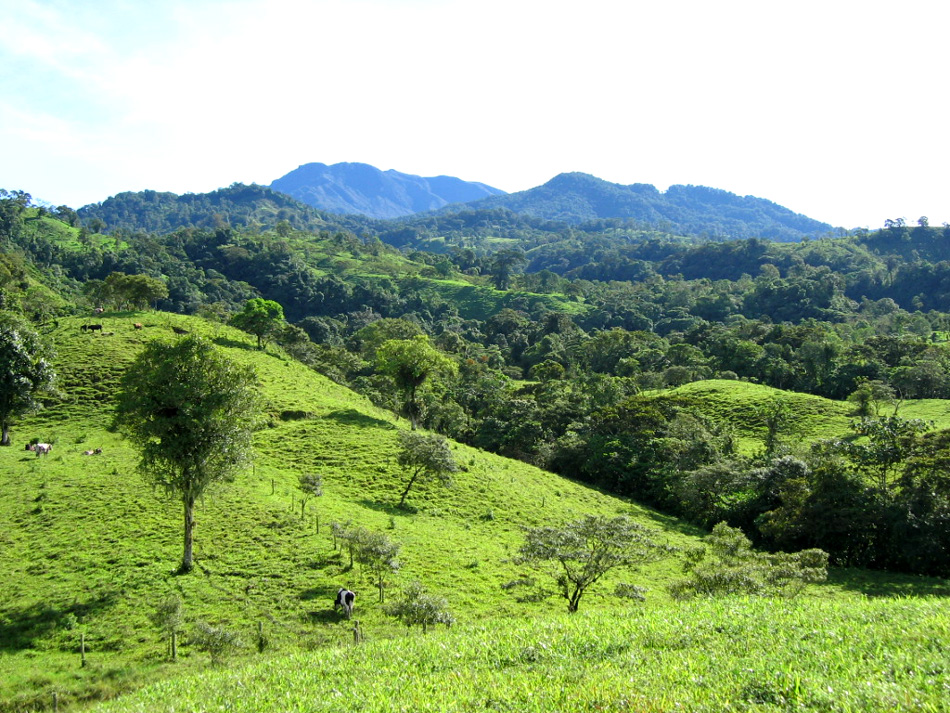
pixel 735 568
pixel 419 608
pixel 216 641
pixel 630 591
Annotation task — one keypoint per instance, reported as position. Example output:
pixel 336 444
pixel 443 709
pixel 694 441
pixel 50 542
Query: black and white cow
pixel 345 598
pixel 41 449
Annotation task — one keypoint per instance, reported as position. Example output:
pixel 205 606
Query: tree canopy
pixel 426 456
pixel 581 552
pixel 190 410
pixel 260 317
pixel 25 371
pixel 410 363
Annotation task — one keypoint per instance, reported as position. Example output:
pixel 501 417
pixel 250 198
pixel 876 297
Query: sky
pixel 832 108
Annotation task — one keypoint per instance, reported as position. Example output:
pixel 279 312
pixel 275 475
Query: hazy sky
pixel 832 108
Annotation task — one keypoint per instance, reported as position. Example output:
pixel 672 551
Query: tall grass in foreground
pixel 711 655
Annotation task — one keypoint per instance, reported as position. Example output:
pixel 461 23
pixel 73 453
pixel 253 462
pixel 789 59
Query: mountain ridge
pixel 574 198
pixel 694 210
pixel 363 189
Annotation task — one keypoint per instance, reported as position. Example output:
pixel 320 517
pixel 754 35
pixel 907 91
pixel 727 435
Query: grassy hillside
pixel 809 418
pixel 90 549
pixel 803 655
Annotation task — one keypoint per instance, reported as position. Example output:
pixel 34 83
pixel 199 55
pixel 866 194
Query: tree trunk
pixel 5 440
pixel 574 601
pixel 187 560
pixel 402 500
pixel 412 409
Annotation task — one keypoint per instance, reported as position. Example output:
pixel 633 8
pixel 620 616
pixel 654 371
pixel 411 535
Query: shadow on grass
pixel 887 584
pixel 668 522
pixel 20 628
pixel 235 344
pixel 330 560
pixel 389 508
pixel 352 417
pixel 324 594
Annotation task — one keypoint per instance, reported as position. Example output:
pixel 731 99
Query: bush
pixel 419 608
pixel 735 568
pixel 215 641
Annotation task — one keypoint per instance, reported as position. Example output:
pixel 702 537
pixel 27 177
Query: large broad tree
pixel 190 410
pixel 410 363
pixel 577 555
pixel 260 317
pixel 25 371
pixel 503 265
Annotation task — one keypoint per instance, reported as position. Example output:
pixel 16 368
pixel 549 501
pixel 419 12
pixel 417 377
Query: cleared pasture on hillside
pixel 90 549
pixel 712 655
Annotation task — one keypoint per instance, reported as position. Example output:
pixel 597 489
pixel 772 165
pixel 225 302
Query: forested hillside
pixel 548 353
pixel 790 396
pixel 578 198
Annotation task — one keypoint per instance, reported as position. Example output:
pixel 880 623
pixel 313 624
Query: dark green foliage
pixel 26 373
pixel 190 411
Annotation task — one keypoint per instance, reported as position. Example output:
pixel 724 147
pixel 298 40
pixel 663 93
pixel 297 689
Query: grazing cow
pixel 94 452
pixel 137 325
pixel 91 328
pixel 344 598
pixel 41 449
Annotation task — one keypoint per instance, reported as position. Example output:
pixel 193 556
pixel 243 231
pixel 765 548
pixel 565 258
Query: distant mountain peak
pixel 688 210
pixel 359 188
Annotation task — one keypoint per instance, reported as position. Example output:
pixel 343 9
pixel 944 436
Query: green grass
pixel 734 654
pixel 811 418
pixel 89 549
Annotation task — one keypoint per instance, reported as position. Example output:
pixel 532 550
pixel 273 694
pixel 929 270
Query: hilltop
pixel 391 205
pixel 577 198
pixel 365 190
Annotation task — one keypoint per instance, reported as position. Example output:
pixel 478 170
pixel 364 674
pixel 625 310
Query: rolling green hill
pixel 90 549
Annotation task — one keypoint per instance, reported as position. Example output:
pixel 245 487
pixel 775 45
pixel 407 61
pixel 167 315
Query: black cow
pixel 344 598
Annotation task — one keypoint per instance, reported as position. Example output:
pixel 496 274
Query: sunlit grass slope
pixel 749 655
pixel 809 418
pixel 89 548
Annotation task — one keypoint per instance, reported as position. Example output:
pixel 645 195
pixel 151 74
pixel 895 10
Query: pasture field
pixel 88 551
pixel 809 418
pixel 713 655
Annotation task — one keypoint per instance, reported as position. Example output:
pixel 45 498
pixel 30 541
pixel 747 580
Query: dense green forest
pixel 561 337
